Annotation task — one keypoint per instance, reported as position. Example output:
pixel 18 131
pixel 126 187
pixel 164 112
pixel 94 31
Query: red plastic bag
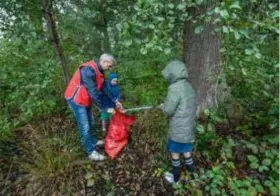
pixel 118 133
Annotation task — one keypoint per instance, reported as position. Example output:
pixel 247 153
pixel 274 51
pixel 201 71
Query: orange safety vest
pixel 77 90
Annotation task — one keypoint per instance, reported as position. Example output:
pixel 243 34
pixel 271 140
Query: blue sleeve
pixel 88 79
pixel 116 95
pixel 107 92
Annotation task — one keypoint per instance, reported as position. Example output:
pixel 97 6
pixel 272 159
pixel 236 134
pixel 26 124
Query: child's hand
pixel 160 106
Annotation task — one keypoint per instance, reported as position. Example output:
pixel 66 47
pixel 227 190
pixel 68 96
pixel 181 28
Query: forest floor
pixel 47 159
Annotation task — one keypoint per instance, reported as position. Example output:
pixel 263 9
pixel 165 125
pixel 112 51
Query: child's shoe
pixel 99 143
pixel 169 177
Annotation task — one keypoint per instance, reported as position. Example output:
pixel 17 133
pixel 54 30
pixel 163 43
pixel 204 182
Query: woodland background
pixel 230 48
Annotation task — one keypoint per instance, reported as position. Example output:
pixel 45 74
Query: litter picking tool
pixel 139 108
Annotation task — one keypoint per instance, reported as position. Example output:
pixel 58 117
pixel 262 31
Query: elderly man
pixel 83 89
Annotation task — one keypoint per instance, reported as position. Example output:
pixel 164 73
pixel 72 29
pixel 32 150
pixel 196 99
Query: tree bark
pixel 202 57
pixel 47 12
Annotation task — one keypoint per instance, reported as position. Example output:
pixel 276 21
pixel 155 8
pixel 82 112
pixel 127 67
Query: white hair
pixel 107 57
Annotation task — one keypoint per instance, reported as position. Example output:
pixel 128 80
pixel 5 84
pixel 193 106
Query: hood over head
pixel 174 71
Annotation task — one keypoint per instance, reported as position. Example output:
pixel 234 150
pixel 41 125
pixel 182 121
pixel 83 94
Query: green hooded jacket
pixel 180 104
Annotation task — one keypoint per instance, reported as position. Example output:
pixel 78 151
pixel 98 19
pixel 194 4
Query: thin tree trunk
pixel 107 45
pixel 202 57
pixel 47 12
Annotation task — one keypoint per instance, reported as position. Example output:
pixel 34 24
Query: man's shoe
pixel 99 143
pixel 95 156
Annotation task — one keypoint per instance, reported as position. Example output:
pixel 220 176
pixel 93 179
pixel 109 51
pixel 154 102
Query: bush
pixel 30 80
pixel 49 159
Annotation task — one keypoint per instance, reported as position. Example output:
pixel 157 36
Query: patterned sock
pixel 189 164
pixel 176 169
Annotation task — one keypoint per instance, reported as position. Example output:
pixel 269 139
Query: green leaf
pixel 143 51
pixel 151 26
pixel 258 55
pixel 171 5
pixel 33 34
pixel 185 15
pixel 210 174
pixel 263 168
pixel 252 191
pixel 177 185
pixel 237 35
pixel 243 192
pixel 222 50
pixel 137 41
pixel 230 164
pixel 160 19
pixel 244 71
pixel 252 158
pixel 167 50
pixel 127 42
pixel 159 48
pixel 274 190
pixel 216 169
pixel 275 14
pixel 90 183
pixel 88 176
pixel 200 129
pixel 198 29
pixel 268 183
pixel 266 162
pixel 235 6
pixel 253 147
pixel 254 165
pixel 272 140
pixel 272 5
pixel 181 6
pixel 119 26
pixel 259 188
pixel 244 32
pixel 215 191
pixel 224 14
pixel 225 29
pixel 206 112
pixel 199 2
pixel 249 51
pixel 210 127
pixel 217 10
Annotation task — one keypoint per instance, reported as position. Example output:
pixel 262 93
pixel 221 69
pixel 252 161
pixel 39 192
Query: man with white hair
pixel 83 89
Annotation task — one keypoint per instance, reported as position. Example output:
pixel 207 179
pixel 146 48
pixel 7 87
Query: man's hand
pixel 119 105
pixel 160 106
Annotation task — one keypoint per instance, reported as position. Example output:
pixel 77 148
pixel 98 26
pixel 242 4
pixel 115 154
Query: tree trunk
pixel 202 57
pixel 47 12
pixel 107 45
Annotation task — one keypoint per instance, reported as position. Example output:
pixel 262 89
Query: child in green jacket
pixel 180 108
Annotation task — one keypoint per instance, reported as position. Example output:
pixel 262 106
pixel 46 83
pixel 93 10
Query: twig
pixel 8 176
